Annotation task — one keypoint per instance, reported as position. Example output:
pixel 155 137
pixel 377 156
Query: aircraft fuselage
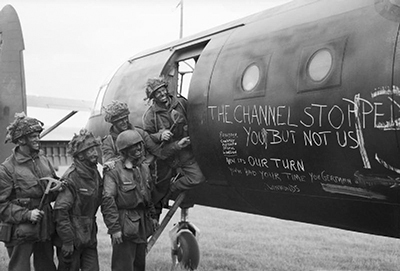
pixel 293 112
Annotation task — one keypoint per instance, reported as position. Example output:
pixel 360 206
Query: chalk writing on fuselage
pixel 314 115
pixel 319 124
pixel 315 125
pixel 272 162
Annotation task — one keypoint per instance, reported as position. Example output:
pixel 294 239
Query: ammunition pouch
pixel 27 231
pixel 83 226
pixel 130 226
pixel 5 232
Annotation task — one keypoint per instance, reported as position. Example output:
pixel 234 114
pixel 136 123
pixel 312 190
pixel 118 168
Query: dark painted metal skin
pixel 323 152
pixel 12 78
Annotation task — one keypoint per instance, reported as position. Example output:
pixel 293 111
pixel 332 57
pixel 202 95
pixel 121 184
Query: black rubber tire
pixel 188 250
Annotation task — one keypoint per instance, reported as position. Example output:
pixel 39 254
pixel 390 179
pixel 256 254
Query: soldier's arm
pixel 108 206
pixel 9 211
pixel 150 127
pixel 108 149
pixel 63 204
pixel 165 150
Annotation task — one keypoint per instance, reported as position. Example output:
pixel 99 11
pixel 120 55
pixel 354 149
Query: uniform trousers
pixel 128 256
pixel 190 178
pixel 84 259
pixel 20 255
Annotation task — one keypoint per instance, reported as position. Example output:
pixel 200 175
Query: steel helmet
pixel 127 138
pixel 153 84
pixel 81 142
pixel 116 111
pixel 22 126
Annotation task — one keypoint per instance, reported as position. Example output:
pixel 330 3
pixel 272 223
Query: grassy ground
pixel 243 242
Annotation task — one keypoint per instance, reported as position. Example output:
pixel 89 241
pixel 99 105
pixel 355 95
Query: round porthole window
pixel 251 76
pixel 320 65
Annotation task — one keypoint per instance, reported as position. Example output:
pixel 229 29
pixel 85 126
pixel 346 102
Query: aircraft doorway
pixel 180 67
pixel 185 72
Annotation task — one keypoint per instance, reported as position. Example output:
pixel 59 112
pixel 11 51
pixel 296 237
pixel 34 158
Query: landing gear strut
pixel 184 247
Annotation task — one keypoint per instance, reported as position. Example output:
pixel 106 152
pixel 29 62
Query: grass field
pixel 243 242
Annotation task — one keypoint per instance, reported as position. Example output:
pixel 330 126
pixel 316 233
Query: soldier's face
pixel 135 151
pixel 122 124
pixel 91 155
pixel 161 95
pixel 32 141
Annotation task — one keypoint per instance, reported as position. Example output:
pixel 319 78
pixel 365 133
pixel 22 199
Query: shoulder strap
pixel 183 108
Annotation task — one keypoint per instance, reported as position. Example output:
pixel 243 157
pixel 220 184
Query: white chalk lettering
pixel 293 165
pixel 283 188
pixel 258 162
pixel 270 175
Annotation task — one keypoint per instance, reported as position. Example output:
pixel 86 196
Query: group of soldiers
pixel 40 211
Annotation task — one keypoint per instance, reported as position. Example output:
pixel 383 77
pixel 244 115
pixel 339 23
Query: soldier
pixel 24 202
pixel 117 113
pixel 76 207
pixel 166 121
pixel 127 207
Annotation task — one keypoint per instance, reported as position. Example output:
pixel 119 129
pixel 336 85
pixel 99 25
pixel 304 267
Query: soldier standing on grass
pixel 24 204
pixel 76 206
pixel 127 207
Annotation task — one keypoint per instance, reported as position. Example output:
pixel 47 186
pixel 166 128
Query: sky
pixel 73 46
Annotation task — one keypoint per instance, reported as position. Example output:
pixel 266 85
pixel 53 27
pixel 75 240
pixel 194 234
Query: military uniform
pixel 127 208
pixel 21 191
pixel 157 119
pixel 76 206
pixel 75 212
pixel 118 110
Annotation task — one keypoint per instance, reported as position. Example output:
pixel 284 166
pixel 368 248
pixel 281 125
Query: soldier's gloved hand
pixel 116 238
pixel 67 250
pixel 36 215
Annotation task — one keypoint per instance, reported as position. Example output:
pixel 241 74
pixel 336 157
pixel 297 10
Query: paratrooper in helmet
pixel 127 207
pixel 76 206
pixel 24 204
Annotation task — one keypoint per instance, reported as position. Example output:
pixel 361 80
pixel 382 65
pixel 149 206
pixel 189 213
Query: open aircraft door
pixel 199 96
pixel 128 84
pixel 207 90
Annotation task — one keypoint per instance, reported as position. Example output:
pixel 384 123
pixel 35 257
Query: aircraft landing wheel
pixel 188 250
